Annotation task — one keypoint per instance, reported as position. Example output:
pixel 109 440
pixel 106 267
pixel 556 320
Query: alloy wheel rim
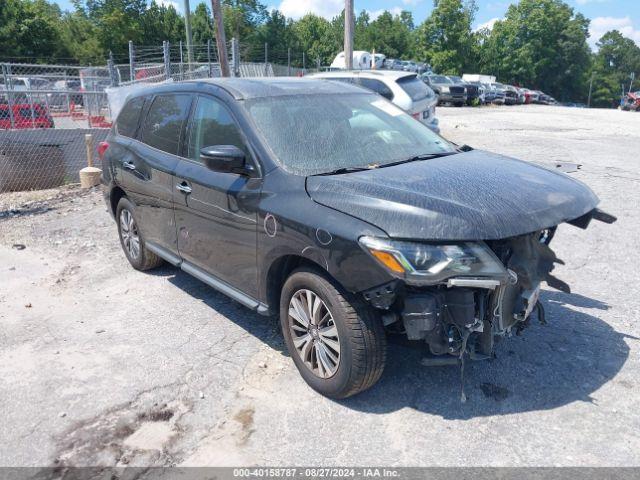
pixel 129 233
pixel 314 333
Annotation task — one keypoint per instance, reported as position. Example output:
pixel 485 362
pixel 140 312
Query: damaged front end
pixel 459 297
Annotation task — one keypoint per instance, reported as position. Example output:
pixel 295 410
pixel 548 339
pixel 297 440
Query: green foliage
pixel 390 35
pixel 445 39
pixel 202 29
pixel 313 35
pixel 541 44
pixel 616 59
pixel 31 30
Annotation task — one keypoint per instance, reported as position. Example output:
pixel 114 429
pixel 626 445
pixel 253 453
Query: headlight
pixel 444 89
pixel 429 263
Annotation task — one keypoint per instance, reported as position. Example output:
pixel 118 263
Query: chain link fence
pixel 46 110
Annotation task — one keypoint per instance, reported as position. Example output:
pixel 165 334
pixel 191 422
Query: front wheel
pixel 139 256
pixel 337 344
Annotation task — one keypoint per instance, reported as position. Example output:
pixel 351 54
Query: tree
pixel 160 23
pixel 277 32
pixel 540 44
pixel 616 59
pixel 390 35
pixel 313 36
pixel 445 38
pixel 31 30
pixel 202 25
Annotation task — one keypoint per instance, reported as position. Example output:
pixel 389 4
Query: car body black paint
pixel 474 195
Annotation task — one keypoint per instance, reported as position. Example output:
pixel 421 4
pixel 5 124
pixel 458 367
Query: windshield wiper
pixel 424 156
pixel 340 171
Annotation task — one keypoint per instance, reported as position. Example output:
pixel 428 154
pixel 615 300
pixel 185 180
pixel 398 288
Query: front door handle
pixel 183 187
pixel 129 165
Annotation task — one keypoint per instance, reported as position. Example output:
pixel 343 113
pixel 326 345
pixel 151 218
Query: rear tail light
pixel 416 116
pixel 102 147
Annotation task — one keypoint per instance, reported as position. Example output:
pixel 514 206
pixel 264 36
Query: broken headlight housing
pixel 432 263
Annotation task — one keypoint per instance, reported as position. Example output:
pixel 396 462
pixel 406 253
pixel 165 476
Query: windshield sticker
pixel 387 107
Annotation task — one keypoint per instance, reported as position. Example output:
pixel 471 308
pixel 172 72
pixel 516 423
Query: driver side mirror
pixel 225 158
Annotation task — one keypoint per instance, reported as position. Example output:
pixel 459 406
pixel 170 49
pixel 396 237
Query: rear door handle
pixel 183 187
pixel 129 165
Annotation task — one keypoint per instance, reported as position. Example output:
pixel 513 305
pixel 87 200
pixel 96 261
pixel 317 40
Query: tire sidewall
pixel 123 204
pixel 336 385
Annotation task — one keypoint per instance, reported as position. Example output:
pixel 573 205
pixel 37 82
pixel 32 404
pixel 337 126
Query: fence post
pixel 266 59
pixel 235 57
pixel 181 63
pixel 167 59
pixel 209 57
pixel 5 77
pixel 112 70
pixel 132 62
pixel 289 62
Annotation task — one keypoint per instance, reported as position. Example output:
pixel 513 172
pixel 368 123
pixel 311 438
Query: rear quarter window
pixel 377 86
pixel 414 87
pixel 127 122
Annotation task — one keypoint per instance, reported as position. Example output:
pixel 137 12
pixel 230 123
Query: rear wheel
pixel 131 240
pixel 337 343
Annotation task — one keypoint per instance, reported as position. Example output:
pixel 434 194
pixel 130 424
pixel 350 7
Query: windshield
pixel 312 134
pixel 439 79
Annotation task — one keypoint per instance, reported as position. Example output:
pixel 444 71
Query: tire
pixel 144 259
pixel 360 336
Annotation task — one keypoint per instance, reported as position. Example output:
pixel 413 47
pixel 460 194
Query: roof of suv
pixel 246 88
pixel 391 74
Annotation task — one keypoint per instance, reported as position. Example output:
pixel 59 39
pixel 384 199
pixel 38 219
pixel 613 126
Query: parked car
pixel 70 92
pixel 538 97
pixel 499 93
pixel 25 116
pixel 392 64
pixel 472 90
pixel 404 89
pixel 631 102
pixel 24 89
pixel 378 60
pixel 481 91
pixel 510 95
pixel 330 207
pixel 522 95
pixel 447 91
pixel 410 66
pixel 489 93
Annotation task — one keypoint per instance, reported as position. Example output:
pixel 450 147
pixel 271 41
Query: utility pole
pixel 187 26
pixel 348 34
pixel 221 40
pixel 590 87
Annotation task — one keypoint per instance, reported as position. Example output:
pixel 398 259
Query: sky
pixel 605 15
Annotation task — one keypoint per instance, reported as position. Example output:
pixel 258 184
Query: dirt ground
pixel 103 365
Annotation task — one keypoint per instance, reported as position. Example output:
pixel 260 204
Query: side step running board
pixel 209 279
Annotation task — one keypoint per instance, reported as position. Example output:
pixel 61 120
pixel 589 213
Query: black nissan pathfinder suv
pixel 327 205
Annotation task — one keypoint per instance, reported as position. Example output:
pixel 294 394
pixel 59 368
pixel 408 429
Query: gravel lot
pixel 103 365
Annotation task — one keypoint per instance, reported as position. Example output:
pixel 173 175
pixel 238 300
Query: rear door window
pixel 377 86
pixel 414 87
pixel 127 122
pixel 164 122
